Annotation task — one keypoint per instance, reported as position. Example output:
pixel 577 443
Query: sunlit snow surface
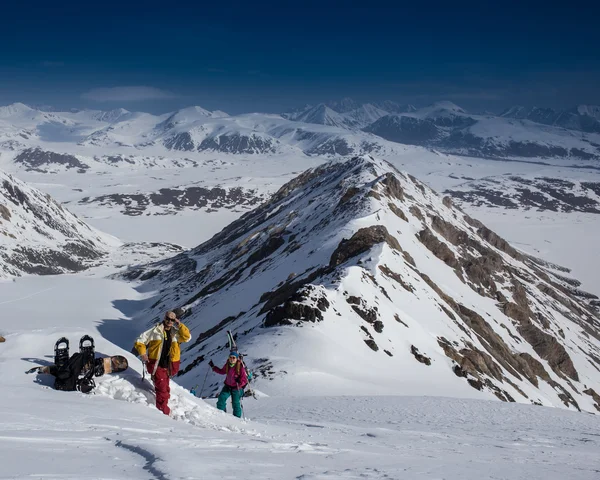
pixel 117 433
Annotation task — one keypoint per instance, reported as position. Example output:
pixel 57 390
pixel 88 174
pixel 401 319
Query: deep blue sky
pixel 269 56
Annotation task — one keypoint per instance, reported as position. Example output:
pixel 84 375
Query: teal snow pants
pixel 236 396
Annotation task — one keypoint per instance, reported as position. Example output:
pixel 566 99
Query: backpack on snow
pixel 75 375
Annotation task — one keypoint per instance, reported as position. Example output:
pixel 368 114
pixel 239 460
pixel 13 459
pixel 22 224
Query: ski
pixel 231 342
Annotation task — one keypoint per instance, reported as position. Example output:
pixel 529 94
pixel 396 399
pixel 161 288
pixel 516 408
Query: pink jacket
pixel 232 379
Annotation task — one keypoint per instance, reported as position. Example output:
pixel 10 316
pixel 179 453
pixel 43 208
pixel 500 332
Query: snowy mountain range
pixel 41 140
pixel 355 277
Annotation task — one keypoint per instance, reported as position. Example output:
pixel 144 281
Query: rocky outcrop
pixel 362 241
pixel 5 213
pixel 438 248
pixel 306 305
pixel 419 356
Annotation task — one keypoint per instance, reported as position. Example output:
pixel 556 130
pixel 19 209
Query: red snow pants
pixel 162 389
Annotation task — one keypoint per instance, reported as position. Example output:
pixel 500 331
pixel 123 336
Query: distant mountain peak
pixel 14 109
pixel 344 105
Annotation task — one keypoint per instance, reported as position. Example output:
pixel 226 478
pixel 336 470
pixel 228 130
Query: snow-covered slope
pixel 117 432
pixel 356 278
pixel 39 236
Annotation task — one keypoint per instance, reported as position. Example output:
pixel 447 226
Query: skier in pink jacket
pixel 235 381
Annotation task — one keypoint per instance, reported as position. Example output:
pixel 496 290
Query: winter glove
pixel 211 364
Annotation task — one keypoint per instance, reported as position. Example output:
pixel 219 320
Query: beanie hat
pixel 233 354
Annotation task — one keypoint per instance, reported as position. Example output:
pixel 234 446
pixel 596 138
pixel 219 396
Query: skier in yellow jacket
pixel 160 351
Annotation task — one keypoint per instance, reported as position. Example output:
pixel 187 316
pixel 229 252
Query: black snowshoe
pixel 61 353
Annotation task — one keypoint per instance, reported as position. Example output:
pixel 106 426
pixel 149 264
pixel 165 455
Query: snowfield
pixel 117 433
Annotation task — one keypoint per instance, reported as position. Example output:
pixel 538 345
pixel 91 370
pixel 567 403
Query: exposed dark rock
pixel 474 361
pixel 409 259
pixel 389 353
pixel 419 356
pixel 498 242
pixel 372 345
pixel 399 320
pixel 449 231
pixel 397 211
pixel 362 241
pixel 395 276
pixel 287 290
pixel 437 247
pixel 589 391
pixel 38 159
pixel 447 201
pixel 476 384
pixel 548 347
pixel 5 213
pixel 366 330
pixel 472 221
pixel 369 315
pixel 544 344
pixel 237 143
pixel 296 308
pixel 374 194
pixel 378 326
pixel 180 141
pixel 392 185
pixel 448 312
pixel 416 212
pixel 150 274
pixel 480 271
pixel 178 198
pixel 537 369
pixel 348 195
pixel 353 300
pixel 266 249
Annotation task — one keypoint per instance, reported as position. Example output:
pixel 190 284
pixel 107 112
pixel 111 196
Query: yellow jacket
pixel 151 342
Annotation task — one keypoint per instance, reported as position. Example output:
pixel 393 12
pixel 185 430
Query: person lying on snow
pixel 160 351
pixel 77 372
pixel 235 381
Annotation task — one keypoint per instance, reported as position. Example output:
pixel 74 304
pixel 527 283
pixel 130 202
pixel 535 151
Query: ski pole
pixel 204 383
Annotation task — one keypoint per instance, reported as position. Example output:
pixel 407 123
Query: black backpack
pixel 75 375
